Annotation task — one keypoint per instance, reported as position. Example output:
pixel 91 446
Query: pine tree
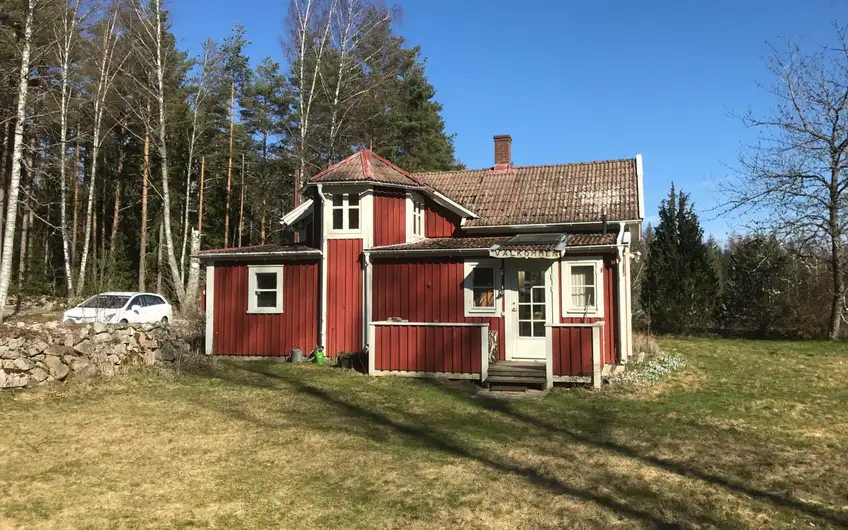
pixel 681 283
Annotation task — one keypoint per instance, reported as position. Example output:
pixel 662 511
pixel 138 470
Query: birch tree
pixel 153 51
pixel 17 156
pixel 794 180
pixel 65 37
pixel 309 22
pixel 105 78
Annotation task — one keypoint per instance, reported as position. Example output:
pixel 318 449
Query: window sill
pixel 264 311
pixel 574 313
pixel 482 313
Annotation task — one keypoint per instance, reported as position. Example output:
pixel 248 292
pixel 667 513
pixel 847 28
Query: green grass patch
pixel 748 435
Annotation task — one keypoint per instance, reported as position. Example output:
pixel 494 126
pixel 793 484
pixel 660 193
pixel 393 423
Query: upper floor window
pixel 345 211
pixel 417 219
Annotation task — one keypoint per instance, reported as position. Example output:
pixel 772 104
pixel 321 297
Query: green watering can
pixel 319 356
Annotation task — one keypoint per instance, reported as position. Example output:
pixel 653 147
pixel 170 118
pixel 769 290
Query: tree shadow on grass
pixel 591 434
pixel 431 436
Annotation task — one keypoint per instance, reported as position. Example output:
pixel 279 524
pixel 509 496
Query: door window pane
pixel 353 219
pixel 525 329
pixel 338 219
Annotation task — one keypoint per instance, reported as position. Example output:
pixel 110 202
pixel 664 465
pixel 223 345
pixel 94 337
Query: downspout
pixel 322 325
pixel 622 303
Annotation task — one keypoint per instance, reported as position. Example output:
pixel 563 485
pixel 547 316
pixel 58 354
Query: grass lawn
pixel 749 435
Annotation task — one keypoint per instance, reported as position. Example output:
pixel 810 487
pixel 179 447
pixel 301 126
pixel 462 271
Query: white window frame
pixel 571 310
pixel 415 202
pixel 468 289
pixel 345 209
pixel 252 271
pixel 418 215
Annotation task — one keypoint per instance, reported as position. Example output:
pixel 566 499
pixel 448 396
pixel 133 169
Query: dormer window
pixel 417 219
pixel 345 208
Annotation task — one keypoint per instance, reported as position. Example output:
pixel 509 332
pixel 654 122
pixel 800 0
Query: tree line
pixel 787 275
pixel 122 155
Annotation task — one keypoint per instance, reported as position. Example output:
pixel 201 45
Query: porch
pixel 462 351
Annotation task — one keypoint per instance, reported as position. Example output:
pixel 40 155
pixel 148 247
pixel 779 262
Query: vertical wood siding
pixel 439 222
pixel 426 291
pixel 238 333
pixel 389 217
pixel 344 296
pixel 610 319
pixel 572 351
pixel 428 349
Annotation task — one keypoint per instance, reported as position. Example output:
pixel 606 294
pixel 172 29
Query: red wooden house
pixel 509 273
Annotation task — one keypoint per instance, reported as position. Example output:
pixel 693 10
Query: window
pixel 482 288
pixel 583 287
pixel 265 289
pixel 345 208
pixel 532 312
pixel 417 219
pixel 150 300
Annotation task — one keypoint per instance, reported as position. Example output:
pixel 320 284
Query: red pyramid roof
pixel 366 166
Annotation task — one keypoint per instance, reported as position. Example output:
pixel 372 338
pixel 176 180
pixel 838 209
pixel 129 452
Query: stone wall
pixel 36 354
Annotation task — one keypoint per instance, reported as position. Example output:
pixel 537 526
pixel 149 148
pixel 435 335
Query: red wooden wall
pixel 428 349
pixel 344 296
pixel 238 333
pixel 389 217
pixel 439 222
pixel 609 346
pixel 572 351
pixel 424 291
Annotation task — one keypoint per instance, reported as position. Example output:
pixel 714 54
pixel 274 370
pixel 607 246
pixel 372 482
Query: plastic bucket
pixel 296 356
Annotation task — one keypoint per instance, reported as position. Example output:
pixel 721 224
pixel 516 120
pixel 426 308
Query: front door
pixel 528 308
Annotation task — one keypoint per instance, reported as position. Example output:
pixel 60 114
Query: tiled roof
pixel 503 242
pixel 365 165
pixel 562 193
pixel 584 240
pixel 449 243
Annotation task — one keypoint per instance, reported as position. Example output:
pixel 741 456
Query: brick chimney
pixel 503 152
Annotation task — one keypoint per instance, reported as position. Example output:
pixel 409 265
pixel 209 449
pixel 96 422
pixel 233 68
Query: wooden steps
pixel 517 372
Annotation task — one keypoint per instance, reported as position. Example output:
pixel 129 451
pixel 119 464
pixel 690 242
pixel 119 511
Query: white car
pixel 121 308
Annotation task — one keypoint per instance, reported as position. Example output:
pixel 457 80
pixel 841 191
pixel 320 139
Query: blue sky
pixel 577 80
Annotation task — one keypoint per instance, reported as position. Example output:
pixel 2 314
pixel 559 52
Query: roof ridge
pixel 483 169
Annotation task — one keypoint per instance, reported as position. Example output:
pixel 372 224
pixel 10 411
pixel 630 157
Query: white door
pixel 528 307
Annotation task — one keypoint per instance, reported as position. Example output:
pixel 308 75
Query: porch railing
pixel 573 353
pixel 455 350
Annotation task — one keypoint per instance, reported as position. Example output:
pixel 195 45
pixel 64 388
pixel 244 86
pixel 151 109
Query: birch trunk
pixel 17 152
pixel 230 166
pixel 116 213
pixel 103 84
pixel 69 23
pixel 200 197
pixel 159 266
pixel 163 153
pixel 75 227
pixel 193 271
pixel 142 258
pixel 4 162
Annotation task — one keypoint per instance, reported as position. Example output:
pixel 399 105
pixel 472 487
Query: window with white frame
pixel 583 287
pixel 482 287
pixel 417 219
pixel 265 289
pixel 345 211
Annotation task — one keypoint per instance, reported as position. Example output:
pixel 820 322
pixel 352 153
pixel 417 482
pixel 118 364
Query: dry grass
pixel 760 442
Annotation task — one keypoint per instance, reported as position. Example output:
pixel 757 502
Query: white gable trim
pixel 640 187
pixel 301 212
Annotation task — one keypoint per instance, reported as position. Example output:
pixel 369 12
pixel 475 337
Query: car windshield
pixel 105 301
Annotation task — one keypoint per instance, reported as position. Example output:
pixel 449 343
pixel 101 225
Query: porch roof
pixel 523 245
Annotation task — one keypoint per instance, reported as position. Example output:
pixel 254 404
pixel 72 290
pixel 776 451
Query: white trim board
pixel 210 309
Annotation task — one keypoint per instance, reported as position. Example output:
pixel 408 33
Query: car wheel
pixel 124 321
pixel 164 320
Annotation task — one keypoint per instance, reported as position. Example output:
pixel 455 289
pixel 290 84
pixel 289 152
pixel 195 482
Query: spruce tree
pixel 681 284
